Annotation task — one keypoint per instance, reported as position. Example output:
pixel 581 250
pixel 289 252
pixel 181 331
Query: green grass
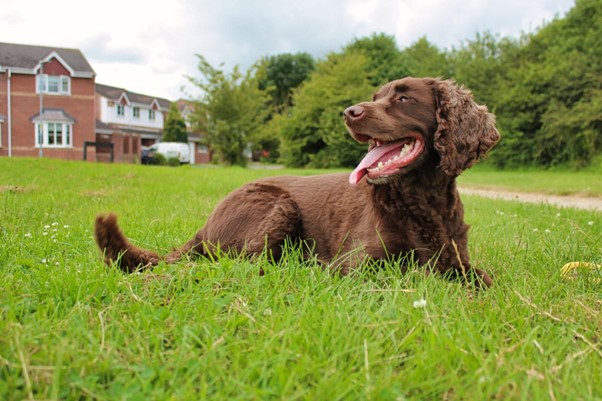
pixel 73 329
pixel 557 182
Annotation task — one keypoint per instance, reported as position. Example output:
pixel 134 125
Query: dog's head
pixel 412 121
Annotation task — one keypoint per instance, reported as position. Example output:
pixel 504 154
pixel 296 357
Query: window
pixel 120 110
pixel 151 115
pixel 53 135
pixel 54 84
pixel 136 112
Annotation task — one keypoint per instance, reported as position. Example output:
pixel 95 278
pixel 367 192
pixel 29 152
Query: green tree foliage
pixel 482 64
pixel 383 57
pixel 285 72
pixel 314 134
pixel 545 88
pixel 549 106
pixel 231 109
pixel 423 59
pixel 175 126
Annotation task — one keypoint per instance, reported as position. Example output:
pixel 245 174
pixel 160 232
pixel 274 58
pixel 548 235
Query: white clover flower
pixel 44 261
pixel 46 227
pixel 267 312
pixel 590 223
pixel 28 235
pixel 66 226
pixel 421 303
pixel 55 224
pixel 44 233
pixel 557 214
pixel 547 231
pixel 535 230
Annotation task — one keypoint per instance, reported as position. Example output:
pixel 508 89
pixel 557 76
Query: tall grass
pixel 74 329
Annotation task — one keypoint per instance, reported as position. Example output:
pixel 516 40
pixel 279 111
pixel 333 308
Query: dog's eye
pixel 403 98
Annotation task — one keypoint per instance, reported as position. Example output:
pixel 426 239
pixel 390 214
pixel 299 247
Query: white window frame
pixel 121 108
pixel 136 112
pixel 151 115
pixel 44 83
pixel 66 130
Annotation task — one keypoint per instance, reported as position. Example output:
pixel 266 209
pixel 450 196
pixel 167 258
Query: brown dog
pixel 422 134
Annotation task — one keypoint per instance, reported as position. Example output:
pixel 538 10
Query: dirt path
pixel 578 202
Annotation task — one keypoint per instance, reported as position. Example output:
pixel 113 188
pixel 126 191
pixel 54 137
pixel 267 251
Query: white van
pixel 179 150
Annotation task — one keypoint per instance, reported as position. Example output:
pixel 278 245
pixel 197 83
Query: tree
pixel 383 57
pixel 175 126
pixel 549 106
pixel 424 59
pixel 482 64
pixel 314 134
pixel 284 73
pixel 231 109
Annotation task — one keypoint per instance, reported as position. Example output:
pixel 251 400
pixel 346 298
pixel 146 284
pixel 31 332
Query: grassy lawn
pixel 560 182
pixel 73 329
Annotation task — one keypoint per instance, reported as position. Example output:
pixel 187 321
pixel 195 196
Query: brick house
pixel 50 105
pixel 47 97
pixel 128 120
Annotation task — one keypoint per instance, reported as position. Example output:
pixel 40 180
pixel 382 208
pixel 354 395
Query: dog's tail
pixel 130 258
pixel 117 249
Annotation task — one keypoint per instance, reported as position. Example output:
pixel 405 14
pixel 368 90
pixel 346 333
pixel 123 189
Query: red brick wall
pixel 54 67
pixel 25 104
pixel 126 148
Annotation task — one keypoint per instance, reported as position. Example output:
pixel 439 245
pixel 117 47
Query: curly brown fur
pixel 116 247
pixel 410 205
pixel 466 131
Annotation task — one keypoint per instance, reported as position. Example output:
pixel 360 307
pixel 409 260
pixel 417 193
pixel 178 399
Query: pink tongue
pixel 369 160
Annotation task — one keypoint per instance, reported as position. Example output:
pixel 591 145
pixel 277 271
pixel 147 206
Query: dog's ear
pixel 466 130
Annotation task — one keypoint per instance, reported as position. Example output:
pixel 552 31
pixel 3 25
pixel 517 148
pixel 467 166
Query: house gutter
pixel 9 117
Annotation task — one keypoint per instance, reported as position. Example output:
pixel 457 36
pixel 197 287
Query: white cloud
pixel 148 46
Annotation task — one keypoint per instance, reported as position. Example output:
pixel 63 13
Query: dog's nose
pixel 353 113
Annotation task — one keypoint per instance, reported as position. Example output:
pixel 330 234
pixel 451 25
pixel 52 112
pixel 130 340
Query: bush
pixel 173 161
pixel 159 160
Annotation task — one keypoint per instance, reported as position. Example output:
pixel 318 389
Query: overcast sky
pixel 149 46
